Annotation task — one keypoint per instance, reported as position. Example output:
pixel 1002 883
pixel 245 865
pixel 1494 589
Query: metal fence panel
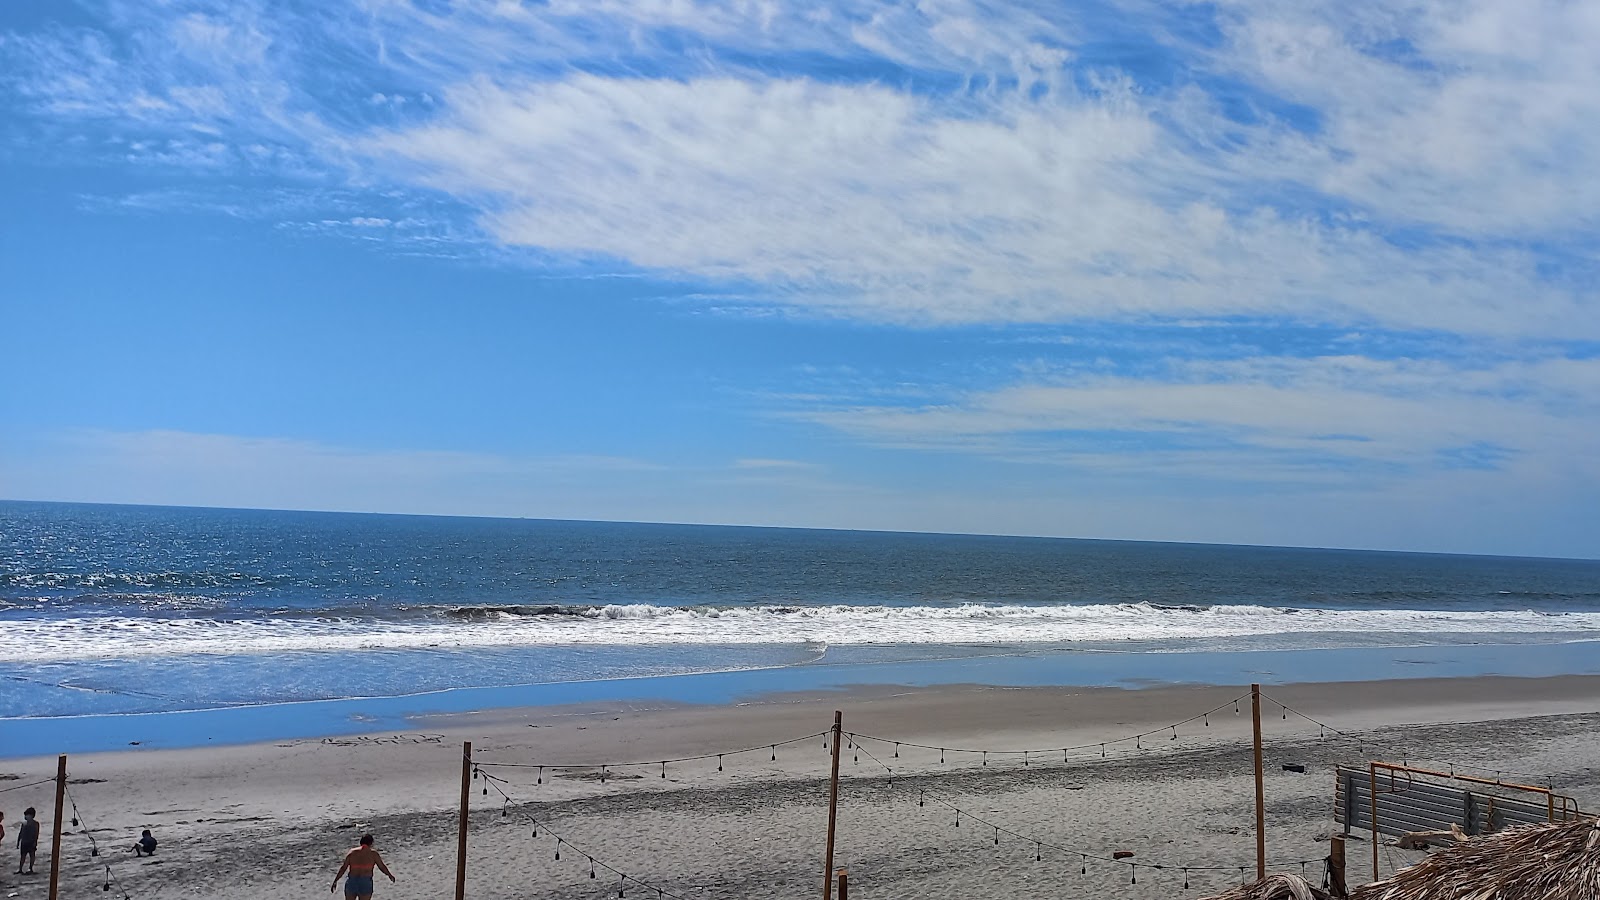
pixel 1407 804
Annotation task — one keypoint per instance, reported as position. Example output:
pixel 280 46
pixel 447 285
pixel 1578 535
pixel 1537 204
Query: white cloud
pixel 1027 186
pixel 868 201
pixel 1475 117
pixel 1330 420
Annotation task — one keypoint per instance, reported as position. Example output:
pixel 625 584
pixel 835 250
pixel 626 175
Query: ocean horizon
pixel 114 610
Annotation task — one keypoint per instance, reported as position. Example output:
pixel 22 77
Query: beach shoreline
pixel 1001 667
pixel 1177 797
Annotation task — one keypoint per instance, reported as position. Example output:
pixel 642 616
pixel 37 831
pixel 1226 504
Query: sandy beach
pixel 272 820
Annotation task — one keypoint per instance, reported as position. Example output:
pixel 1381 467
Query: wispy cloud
pixel 1310 421
pixel 1419 167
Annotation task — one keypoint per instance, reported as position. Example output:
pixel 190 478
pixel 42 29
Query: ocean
pixel 116 610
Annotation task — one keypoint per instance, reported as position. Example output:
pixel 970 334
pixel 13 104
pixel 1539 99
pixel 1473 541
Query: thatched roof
pixel 1531 862
pixel 1275 887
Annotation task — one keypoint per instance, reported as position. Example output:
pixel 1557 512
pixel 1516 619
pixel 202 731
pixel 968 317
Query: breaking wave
pixel 461 627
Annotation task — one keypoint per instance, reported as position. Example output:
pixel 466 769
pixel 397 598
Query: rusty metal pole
pixel 844 884
pixel 1372 787
pixel 461 825
pixel 1261 797
pixel 55 827
pixel 833 805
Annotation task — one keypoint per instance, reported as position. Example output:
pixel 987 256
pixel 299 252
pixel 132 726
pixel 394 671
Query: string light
pixel 607 766
pixel 923 796
pixel 1361 746
pixel 595 863
pixel 111 879
pixel 1066 752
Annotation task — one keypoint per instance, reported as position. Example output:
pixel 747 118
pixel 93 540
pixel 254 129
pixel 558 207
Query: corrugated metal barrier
pixel 1411 799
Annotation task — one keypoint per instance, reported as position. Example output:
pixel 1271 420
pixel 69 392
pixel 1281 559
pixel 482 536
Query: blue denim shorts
pixel 356 885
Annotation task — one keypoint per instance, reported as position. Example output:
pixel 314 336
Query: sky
pixel 1312 273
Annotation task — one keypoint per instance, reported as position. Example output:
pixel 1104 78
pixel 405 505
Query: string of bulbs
pixel 1364 741
pixel 1040 844
pixel 606 767
pixel 94 849
pixel 1171 730
pixel 18 787
pixel 595 862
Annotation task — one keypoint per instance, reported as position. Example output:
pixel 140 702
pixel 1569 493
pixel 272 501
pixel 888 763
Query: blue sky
pixel 1310 273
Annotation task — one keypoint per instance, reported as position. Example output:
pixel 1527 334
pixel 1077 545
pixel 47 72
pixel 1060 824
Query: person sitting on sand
pixel 146 845
pixel 27 840
pixel 360 861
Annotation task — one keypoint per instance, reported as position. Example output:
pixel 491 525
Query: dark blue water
pixel 118 609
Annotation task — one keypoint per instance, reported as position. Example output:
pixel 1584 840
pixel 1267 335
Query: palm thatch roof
pixel 1275 887
pixel 1532 862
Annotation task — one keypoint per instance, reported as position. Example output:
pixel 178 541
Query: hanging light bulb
pixel 897 750
pixel 986 757
pixel 1135 878
pixel 997 835
pixel 541 775
pixel 719 762
pixel 958 818
pixel 920 796
pixel 1038 851
pixel 558 849
pixel 1186 879
pixel 774 752
pixel 1085 865
pixel 591 867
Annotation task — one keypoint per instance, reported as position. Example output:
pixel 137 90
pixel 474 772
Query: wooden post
pixel 461 825
pixel 1336 881
pixel 1261 796
pixel 833 805
pixel 1372 787
pixel 55 827
pixel 844 884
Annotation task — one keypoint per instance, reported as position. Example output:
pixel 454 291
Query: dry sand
pixel 271 820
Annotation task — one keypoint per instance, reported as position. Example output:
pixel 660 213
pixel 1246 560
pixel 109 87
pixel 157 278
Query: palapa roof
pixel 1532 862
pixel 1275 887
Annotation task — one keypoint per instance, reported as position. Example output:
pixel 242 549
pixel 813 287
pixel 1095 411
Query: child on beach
pixel 146 845
pixel 27 840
